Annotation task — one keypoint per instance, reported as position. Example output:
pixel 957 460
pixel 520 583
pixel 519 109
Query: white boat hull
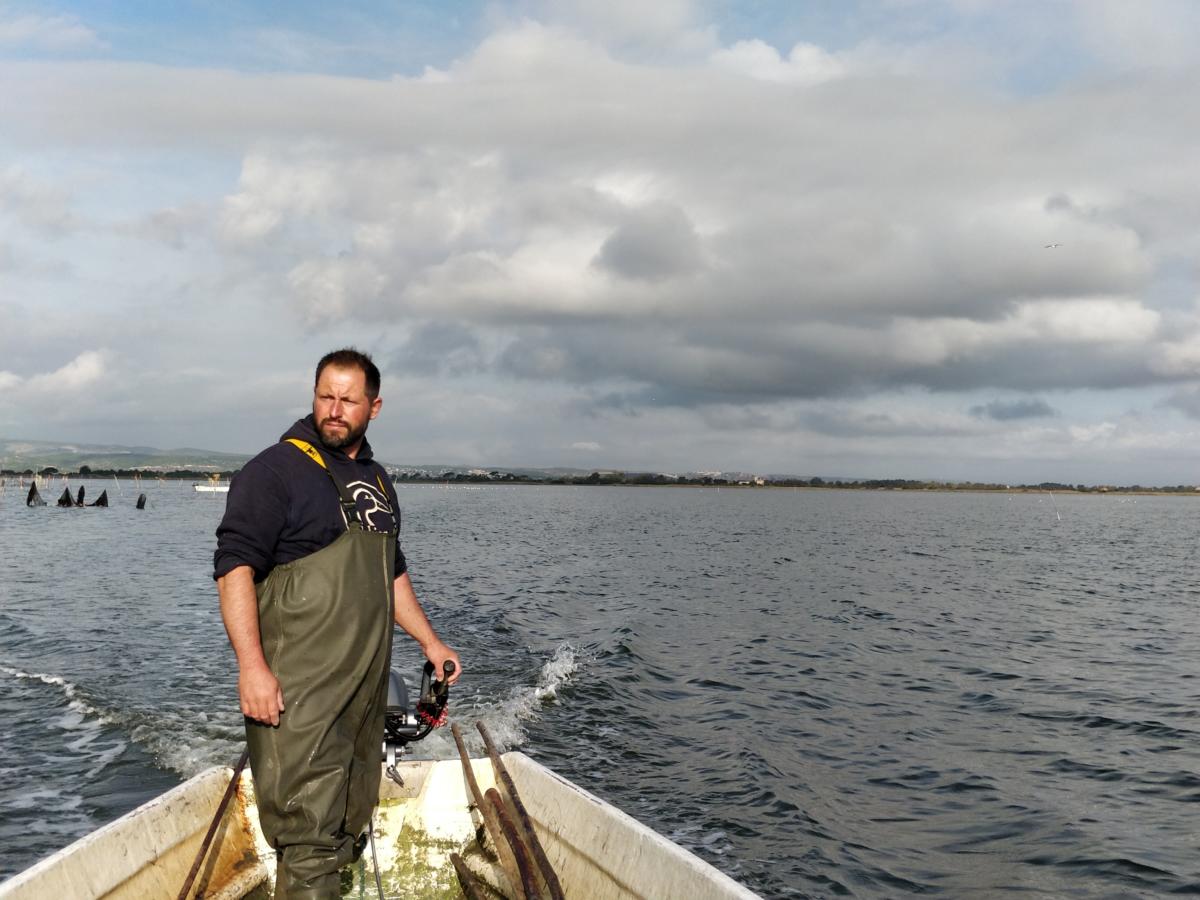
pixel 598 852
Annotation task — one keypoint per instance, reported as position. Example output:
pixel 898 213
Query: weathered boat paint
pixel 598 852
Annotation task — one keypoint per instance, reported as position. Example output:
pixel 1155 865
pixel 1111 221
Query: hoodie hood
pixel 282 507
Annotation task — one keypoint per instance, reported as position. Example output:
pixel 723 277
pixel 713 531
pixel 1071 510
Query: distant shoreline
pixel 612 479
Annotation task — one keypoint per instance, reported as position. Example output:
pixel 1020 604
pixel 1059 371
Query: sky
pixel 896 239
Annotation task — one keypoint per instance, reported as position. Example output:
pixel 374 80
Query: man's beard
pixel 338 439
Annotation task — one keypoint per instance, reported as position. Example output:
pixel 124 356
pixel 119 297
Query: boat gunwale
pixel 648 861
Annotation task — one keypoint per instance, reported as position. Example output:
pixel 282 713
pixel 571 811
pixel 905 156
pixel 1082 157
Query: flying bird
pixel 1051 246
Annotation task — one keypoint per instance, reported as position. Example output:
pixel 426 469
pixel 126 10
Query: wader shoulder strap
pixel 345 498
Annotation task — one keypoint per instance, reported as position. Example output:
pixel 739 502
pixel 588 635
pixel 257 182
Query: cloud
pixel 670 25
pixel 39 206
pixel 62 33
pixel 77 376
pixel 651 245
pixel 1153 33
pixel 1186 400
pixel 805 64
pixel 700 237
pixel 1089 322
pixel 1013 410
pixel 328 290
pixel 81 373
pixel 175 227
pixel 603 206
pixel 1178 357
pixel 1100 432
pixel 440 348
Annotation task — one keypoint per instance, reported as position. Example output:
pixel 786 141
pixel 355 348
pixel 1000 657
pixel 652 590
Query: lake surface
pixel 823 693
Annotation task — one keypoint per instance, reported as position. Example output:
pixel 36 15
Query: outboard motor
pixel 403 725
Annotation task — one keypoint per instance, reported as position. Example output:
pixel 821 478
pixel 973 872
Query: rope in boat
pixel 212 827
pixel 374 858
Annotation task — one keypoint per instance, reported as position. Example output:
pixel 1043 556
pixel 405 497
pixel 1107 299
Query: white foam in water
pixel 183 750
pixel 74 701
pixel 174 744
pixel 505 718
pixel 177 744
pixel 83 721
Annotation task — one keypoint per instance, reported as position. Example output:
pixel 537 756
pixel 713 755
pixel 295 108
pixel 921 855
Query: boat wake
pixel 177 741
pixel 42 795
pixel 505 717
pixel 188 741
pixel 69 690
pixel 84 736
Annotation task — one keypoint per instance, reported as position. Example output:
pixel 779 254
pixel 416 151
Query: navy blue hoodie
pixel 283 506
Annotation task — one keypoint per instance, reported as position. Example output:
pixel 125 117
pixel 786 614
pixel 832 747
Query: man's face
pixel 341 407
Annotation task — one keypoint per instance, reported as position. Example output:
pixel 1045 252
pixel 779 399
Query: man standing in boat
pixel 311 576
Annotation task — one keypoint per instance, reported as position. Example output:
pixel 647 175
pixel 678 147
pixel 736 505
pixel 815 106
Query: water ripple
pixel 824 693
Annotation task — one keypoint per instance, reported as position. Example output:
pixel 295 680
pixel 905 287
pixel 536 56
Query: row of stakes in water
pixel 66 500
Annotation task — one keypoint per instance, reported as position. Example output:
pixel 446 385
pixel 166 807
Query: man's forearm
pixel 239 610
pixel 258 689
pixel 411 617
pixel 409 614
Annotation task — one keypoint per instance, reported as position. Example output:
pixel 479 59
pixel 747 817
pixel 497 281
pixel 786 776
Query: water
pixel 823 693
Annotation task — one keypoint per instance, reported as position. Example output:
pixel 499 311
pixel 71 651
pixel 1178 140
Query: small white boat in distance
pixel 597 851
pixel 214 485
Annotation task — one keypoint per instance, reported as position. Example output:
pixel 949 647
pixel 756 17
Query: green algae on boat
pixel 413 863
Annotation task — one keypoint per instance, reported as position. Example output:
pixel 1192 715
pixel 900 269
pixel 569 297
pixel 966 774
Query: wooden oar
pixel 528 883
pixel 467 880
pixel 491 822
pixel 529 836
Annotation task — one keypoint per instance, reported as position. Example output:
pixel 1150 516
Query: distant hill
pixel 21 455
pixel 18 455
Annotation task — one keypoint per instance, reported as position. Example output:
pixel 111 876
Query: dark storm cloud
pixel 846 424
pixel 691 364
pixel 1186 401
pixel 439 348
pixel 653 244
pixel 1046 366
pixel 1012 410
pixel 676 365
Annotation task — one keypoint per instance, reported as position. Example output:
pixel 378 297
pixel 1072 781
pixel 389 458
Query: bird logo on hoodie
pixel 373 506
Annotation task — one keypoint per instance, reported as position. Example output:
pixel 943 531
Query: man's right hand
pixel 261 695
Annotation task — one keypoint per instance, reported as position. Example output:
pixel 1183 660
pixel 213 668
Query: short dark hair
pixel 350 358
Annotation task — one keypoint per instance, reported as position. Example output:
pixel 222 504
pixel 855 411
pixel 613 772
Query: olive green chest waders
pixel 326 627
